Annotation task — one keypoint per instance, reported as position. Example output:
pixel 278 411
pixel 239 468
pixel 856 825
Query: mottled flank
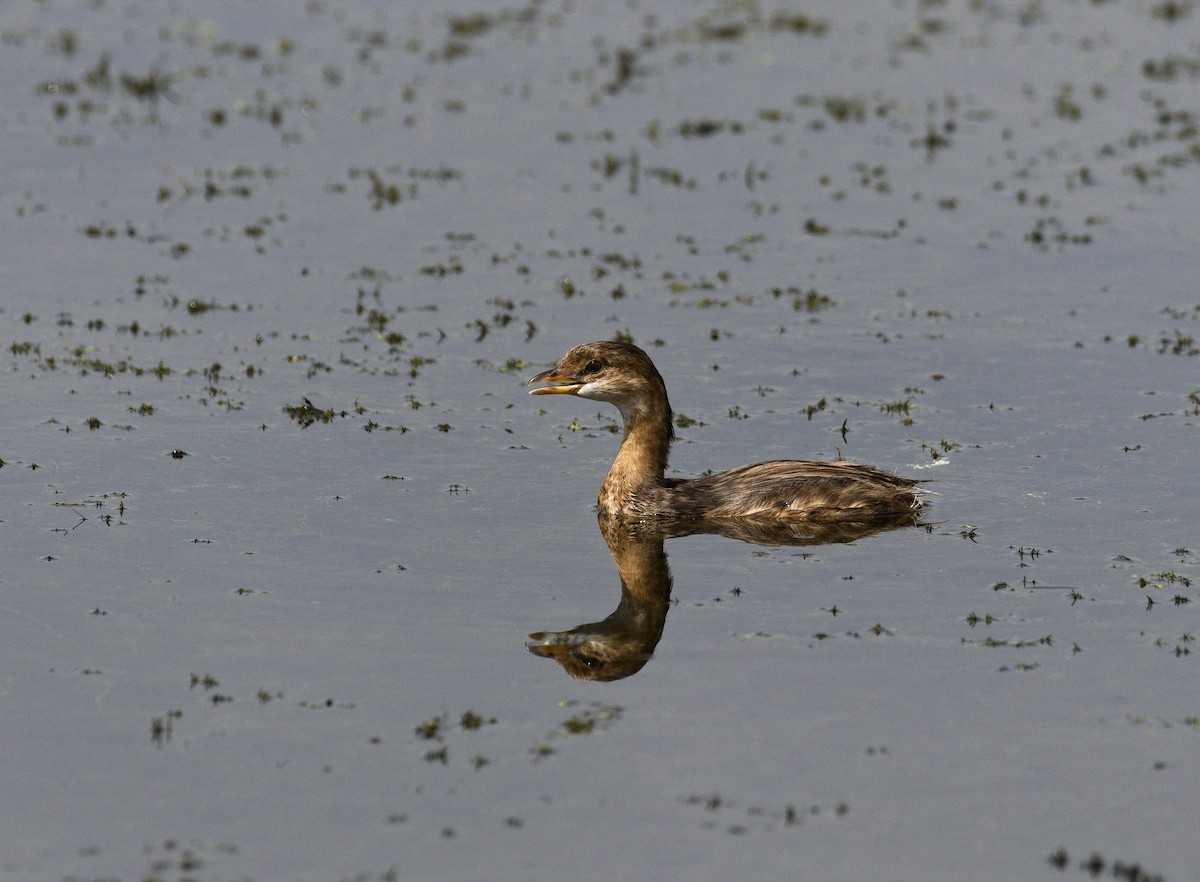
pixel 780 490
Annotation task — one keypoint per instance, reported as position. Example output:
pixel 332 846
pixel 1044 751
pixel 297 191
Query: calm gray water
pixel 278 514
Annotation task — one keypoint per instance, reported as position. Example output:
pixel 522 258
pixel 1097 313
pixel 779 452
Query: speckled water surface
pixel 278 516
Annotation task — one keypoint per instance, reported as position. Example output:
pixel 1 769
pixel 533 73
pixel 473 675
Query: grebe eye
pixel 592 367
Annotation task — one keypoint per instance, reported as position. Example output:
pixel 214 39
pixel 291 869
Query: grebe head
pixel 619 373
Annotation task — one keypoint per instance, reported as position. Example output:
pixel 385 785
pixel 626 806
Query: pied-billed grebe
pixel 792 490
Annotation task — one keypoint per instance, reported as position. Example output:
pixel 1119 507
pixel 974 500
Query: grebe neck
pixel 637 472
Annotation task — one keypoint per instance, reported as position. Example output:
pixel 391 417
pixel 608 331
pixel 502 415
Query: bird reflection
pixel 621 644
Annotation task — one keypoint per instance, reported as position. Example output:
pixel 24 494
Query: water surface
pixel 279 514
